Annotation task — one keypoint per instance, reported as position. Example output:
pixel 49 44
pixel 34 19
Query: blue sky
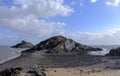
pixel 85 21
pixel 92 17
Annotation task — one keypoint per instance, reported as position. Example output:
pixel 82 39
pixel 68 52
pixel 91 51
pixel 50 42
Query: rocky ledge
pixel 114 52
pixel 23 44
pixel 61 45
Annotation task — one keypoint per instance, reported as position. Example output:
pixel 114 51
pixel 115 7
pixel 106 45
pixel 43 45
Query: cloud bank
pixel 28 17
pixel 112 3
pixel 108 37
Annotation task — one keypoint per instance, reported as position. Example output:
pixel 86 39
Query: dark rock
pixel 23 44
pixel 60 45
pixel 114 52
pixel 35 73
pixel 10 72
pixel 17 71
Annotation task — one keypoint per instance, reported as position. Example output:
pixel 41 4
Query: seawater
pixel 106 49
pixel 7 53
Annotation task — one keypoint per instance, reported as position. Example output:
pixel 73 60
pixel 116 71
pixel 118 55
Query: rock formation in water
pixel 23 44
pixel 61 45
pixel 114 52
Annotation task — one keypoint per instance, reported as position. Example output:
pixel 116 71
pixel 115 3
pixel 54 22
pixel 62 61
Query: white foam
pixel 15 55
pixel 8 53
pixel 101 53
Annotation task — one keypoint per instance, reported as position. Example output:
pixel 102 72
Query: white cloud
pixel 39 8
pixel 82 2
pixel 28 18
pixel 30 25
pixel 32 29
pixel 93 1
pixel 44 8
pixel 107 37
pixel 112 2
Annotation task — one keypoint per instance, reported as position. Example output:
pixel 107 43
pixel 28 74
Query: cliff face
pixel 60 44
pixel 23 44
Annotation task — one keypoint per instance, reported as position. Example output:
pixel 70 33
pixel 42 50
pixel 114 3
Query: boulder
pixel 11 72
pixel 19 72
pixel 114 52
pixel 61 45
pixel 23 44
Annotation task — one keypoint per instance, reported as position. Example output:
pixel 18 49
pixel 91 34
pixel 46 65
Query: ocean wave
pixel 101 53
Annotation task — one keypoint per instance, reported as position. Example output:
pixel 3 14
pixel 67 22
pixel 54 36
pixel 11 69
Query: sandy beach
pixel 77 72
pixel 82 72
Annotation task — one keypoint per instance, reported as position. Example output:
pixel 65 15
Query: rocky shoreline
pixel 59 52
pixel 39 59
pixel 30 61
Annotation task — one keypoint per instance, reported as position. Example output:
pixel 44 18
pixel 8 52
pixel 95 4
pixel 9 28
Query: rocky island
pixel 61 45
pixel 23 44
pixel 58 46
pixel 62 57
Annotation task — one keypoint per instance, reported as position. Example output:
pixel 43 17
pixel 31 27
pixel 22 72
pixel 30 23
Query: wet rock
pixel 10 72
pixel 18 72
pixel 114 52
pixel 34 73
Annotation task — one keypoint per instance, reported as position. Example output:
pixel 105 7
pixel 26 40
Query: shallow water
pixel 100 53
pixel 7 53
pixel 106 49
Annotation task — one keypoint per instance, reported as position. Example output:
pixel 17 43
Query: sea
pixel 7 53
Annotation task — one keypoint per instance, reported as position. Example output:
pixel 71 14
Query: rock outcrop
pixel 60 45
pixel 114 52
pixel 19 72
pixel 10 72
pixel 23 44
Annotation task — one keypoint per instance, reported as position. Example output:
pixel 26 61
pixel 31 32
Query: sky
pixel 93 22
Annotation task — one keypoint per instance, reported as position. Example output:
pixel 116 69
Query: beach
pixel 40 60
pixel 65 64
pixel 35 60
pixel 81 72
